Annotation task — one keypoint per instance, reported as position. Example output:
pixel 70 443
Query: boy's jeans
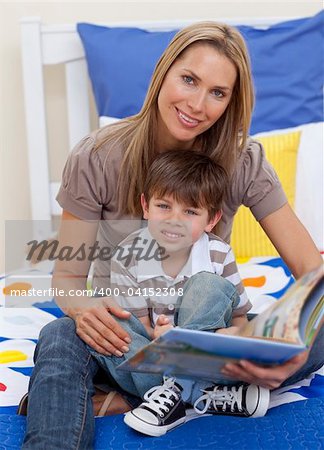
pixel 207 304
pixel 60 413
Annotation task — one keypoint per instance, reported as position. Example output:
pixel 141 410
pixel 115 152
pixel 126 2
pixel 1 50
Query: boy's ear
pixel 216 218
pixel 144 206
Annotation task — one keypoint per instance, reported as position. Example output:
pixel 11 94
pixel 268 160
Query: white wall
pixel 14 184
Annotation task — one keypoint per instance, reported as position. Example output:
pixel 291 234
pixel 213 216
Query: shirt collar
pixel 200 253
pixel 198 261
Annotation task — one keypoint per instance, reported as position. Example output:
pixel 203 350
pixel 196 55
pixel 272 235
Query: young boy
pixel 175 273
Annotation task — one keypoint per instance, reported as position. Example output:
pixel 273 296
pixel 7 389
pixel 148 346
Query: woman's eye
pixel 217 93
pixel 187 79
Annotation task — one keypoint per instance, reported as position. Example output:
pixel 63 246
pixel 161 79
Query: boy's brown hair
pixel 190 177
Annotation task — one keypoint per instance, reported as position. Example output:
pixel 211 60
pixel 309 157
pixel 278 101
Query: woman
pixel 200 97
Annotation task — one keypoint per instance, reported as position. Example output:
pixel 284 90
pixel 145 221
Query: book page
pixel 281 321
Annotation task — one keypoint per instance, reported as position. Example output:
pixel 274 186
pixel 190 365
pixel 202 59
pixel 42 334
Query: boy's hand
pixel 162 325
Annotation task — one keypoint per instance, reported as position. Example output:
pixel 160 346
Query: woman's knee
pixel 58 339
pixel 60 350
pixel 62 328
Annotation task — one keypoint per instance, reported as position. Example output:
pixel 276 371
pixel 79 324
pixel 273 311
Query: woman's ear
pixel 144 206
pixel 215 219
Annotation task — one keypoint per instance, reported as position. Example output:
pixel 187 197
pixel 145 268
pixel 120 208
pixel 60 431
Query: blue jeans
pixel 206 304
pixel 60 414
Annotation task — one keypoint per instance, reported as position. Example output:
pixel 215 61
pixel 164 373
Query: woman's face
pixel 194 94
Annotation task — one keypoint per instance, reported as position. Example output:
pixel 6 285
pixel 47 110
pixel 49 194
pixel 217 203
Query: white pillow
pixel 105 120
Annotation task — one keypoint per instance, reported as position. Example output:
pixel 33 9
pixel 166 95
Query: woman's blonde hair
pixel 222 142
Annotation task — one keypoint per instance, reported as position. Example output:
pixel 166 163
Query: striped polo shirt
pixel 141 286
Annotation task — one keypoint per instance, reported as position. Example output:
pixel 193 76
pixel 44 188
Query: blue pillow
pixel 287 66
pixel 288 70
pixel 120 63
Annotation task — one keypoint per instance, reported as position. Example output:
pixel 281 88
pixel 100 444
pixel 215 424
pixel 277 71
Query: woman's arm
pixel 94 320
pixel 292 241
pixel 237 323
pixel 297 249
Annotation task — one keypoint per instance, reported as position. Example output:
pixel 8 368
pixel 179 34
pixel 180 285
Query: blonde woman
pixel 200 97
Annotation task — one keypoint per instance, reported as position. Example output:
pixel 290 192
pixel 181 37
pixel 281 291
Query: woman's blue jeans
pixel 60 413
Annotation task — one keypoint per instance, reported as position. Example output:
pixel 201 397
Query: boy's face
pixel 176 226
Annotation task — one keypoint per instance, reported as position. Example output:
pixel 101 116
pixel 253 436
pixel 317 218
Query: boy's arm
pixel 161 327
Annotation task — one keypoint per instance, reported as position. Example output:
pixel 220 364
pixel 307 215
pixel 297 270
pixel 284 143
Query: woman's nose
pixel 196 101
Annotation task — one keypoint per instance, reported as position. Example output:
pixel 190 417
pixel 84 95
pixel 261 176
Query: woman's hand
pixel 96 326
pixel 94 320
pixel 162 326
pixel 268 377
pixel 229 330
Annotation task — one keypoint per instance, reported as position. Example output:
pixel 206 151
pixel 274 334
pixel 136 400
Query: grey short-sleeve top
pixel 89 183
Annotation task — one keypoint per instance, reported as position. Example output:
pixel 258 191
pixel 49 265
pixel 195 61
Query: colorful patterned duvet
pixel 265 279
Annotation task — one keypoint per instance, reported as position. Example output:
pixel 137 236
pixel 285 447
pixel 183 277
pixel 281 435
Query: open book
pixel 285 329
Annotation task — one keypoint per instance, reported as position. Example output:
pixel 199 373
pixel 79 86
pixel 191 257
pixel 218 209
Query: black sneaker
pixel 162 410
pixel 243 400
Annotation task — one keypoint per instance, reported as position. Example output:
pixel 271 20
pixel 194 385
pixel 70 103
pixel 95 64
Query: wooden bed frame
pixel 44 45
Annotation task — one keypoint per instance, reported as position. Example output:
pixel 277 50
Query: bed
pixel 288 136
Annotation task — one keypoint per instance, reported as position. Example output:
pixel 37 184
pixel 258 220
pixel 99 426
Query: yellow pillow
pixel 248 238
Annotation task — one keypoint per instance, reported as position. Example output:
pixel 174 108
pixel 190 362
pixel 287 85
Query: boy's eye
pixel 162 206
pixel 190 212
pixel 188 79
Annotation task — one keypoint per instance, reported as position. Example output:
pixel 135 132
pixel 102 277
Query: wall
pixel 14 184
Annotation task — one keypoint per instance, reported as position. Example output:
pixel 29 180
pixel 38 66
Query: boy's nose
pixel 175 218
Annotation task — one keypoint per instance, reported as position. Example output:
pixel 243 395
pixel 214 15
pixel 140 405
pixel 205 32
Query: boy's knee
pixel 212 281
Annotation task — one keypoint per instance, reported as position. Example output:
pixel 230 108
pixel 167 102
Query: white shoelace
pixel 154 400
pixel 220 396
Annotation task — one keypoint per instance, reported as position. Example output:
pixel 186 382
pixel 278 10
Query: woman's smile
pixel 187 120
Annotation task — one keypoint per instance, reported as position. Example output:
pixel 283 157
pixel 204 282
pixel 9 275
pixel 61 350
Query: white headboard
pixel 60 44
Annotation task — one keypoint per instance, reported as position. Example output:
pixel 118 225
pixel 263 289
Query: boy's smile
pixel 171 235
